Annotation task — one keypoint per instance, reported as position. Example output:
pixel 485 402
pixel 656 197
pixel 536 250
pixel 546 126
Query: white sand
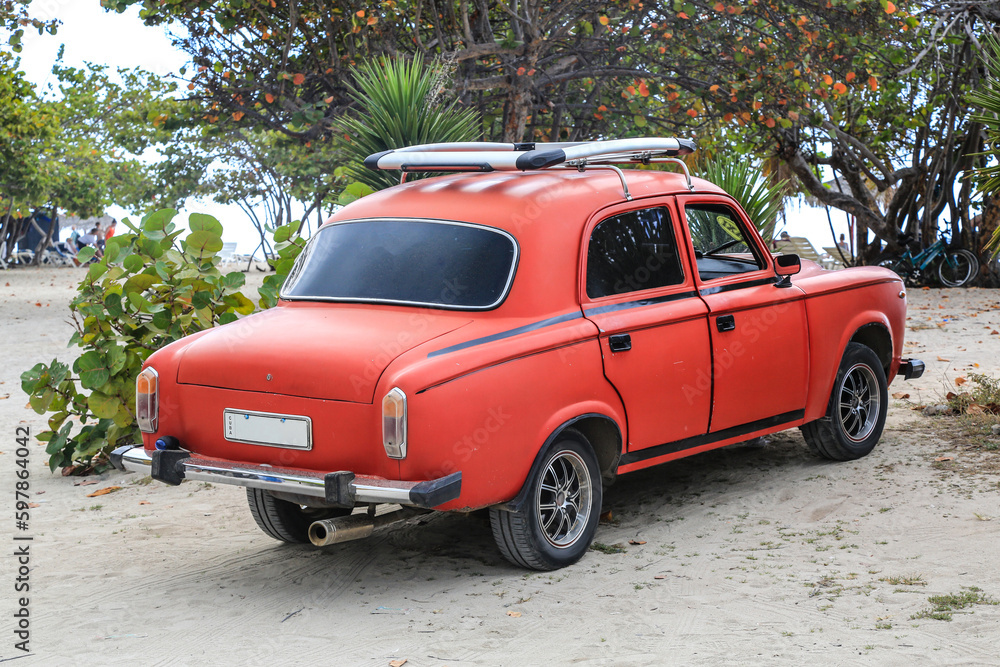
pixel 748 555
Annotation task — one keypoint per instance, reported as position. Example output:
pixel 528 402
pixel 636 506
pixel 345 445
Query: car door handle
pixel 620 342
pixel 725 322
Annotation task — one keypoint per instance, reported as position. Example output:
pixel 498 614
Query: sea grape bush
pixel 152 286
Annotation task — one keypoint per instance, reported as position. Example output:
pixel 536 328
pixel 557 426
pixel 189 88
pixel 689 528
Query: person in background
pixel 843 245
pixel 74 239
pixel 103 236
pixel 91 238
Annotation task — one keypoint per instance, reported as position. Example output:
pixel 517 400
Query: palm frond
pixel 393 98
pixel 738 177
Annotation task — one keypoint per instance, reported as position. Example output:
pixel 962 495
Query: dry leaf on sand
pixel 103 492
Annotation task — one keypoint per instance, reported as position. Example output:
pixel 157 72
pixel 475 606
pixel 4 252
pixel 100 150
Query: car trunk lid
pixel 314 350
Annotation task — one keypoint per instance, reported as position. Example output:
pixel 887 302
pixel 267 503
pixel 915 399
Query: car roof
pixel 514 201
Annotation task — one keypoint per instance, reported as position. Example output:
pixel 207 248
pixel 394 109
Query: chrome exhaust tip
pixel 356 526
pixel 340 529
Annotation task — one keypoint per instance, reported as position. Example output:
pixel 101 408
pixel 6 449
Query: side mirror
pixel 786 266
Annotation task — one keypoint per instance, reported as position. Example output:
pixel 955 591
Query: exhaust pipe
pixel 355 526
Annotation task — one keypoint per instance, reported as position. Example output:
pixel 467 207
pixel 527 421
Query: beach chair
pixel 835 252
pixel 801 246
pixel 228 253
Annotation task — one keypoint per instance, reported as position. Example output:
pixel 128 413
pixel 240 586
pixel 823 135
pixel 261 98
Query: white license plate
pixel 265 428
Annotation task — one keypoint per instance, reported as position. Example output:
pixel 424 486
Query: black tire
pixel 857 409
pixel 285 521
pixel 565 488
pixel 958 268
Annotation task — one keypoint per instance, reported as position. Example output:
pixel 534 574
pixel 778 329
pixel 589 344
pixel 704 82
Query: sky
pixel 91 34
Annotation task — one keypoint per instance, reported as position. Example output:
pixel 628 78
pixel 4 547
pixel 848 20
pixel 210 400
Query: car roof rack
pixel 482 156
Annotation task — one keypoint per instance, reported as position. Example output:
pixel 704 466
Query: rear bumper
pixel 911 368
pixel 342 488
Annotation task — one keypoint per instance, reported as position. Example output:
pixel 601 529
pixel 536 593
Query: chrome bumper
pixel 342 488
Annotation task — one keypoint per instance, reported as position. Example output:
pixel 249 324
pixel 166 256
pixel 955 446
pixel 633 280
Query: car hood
pixel 314 350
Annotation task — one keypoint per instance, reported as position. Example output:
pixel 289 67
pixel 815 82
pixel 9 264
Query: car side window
pixel 631 252
pixel 721 245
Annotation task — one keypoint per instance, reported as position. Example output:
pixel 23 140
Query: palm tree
pixel 738 177
pixel 397 108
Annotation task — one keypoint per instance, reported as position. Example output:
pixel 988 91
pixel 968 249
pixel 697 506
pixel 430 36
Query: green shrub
pixel 151 287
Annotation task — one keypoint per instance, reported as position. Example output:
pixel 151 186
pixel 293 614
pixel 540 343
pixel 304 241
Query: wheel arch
pixel 604 435
pixel 875 336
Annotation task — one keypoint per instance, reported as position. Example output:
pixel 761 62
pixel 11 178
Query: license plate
pixel 265 428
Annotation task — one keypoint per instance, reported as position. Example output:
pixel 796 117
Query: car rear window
pixel 412 262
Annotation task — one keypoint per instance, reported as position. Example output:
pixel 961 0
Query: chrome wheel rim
pixel 859 402
pixel 563 499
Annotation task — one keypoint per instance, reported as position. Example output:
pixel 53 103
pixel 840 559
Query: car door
pixel 759 335
pixel 637 288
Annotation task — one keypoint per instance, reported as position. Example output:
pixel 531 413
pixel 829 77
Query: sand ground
pixel 742 556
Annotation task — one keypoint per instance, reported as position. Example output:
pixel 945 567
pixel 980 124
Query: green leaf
pixel 233 280
pixel 102 405
pixel 203 222
pixel 158 220
pixel 161 320
pixel 139 302
pixel 93 369
pixel 86 254
pixel 139 283
pixel 35 377
pixel 96 270
pixel 201 300
pixel 40 401
pixel 133 263
pixel 282 233
pixel 113 304
pixel 58 441
pixel 203 243
pixel 245 306
pixel 116 358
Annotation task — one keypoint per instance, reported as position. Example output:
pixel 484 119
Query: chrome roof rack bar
pixel 684 168
pixel 489 156
pixel 584 166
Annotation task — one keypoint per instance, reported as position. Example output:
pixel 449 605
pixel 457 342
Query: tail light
pixel 147 404
pixel 394 423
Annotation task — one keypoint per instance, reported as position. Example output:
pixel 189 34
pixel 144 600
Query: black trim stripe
pixel 708 438
pixel 639 303
pixel 735 286
pixel 599 310
pixel 534 326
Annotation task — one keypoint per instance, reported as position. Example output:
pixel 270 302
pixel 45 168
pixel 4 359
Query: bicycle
pixel 954 268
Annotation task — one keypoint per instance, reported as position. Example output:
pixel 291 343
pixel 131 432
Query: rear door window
pixel 631 252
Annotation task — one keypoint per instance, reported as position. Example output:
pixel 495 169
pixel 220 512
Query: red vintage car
pixel 514 339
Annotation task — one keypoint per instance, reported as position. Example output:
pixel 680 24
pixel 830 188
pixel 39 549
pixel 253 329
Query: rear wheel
pixel 286 521
pixel 856 412
pixel 558 519
pixel 958 268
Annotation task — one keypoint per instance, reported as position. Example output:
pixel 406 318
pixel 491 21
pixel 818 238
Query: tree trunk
pixel 516 110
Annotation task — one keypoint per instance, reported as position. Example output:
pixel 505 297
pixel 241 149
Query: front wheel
pixel 857 409
pixel 556 524
pixel 958 268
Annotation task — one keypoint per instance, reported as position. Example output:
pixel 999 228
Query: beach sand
pixel 745 555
